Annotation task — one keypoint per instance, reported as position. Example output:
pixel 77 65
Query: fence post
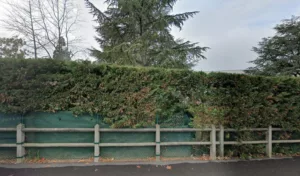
pixel 213 143
pixel 269 140
pixel 20 135
pixel 96 143
pixel 157 139
pixel 221 140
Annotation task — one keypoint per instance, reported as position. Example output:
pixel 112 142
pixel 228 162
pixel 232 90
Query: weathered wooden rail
pixel 213 143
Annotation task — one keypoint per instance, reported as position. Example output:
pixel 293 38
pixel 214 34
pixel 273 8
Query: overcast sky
pixel 229 27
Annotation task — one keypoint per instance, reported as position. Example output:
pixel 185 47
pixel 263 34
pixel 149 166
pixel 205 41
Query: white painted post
pixel 20 135
pixel 213 143
pixel 96 143
pixel 269 144
pixel 221 140
pixel 157 139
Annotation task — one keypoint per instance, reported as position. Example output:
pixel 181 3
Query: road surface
pixel 285 167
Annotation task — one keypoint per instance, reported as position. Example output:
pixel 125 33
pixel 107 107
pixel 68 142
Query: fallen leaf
pixel 138 167
pixel 169 167
pixel 96 170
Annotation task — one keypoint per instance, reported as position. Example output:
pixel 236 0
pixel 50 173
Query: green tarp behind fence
pixel 67 120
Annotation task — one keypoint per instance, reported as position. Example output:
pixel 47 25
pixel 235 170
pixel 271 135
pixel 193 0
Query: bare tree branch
pixel 43 22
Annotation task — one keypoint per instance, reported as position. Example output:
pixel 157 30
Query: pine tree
pixel 280 54
pixel 137 32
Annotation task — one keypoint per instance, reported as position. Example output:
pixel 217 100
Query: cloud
pixel 231 28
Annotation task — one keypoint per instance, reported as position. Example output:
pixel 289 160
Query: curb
pixel 59 165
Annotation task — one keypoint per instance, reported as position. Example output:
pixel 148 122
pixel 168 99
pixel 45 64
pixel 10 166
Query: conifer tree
pixel 138 32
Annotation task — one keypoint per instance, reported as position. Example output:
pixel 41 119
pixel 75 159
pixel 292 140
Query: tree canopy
pixel 12 48
pixel 42 24
pixel 138 32
pixel 280 54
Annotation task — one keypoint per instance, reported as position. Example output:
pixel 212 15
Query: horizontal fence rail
pixel 50 145
pixel 20 144
pixel 7 129
pixel 49 130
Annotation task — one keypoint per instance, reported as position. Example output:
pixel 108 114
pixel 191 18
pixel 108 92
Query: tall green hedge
pixel 134 97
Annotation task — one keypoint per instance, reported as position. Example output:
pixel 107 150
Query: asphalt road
pixel 286 167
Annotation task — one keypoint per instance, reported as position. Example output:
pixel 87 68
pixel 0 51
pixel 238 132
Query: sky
pixel 229 27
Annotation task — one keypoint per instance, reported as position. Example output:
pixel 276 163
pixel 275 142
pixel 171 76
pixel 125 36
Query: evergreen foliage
pixel 137 32
pixel 12 48
pixel 134 97
pixel 280 54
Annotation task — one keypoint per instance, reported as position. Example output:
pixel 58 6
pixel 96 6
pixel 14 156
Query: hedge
pixel 134 97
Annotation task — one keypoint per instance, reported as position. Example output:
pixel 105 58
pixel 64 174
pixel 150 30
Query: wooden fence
pixel 213 143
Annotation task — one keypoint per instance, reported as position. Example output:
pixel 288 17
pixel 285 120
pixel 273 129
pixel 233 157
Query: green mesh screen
pixel 127 152
pixel 179 120
pixel 67 120
pixel 59 120
pixel 8 121
pixel 176 151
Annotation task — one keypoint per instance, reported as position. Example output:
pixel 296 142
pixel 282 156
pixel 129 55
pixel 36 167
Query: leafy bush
pixel 133 97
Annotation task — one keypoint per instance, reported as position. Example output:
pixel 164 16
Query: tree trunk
pixel 32 29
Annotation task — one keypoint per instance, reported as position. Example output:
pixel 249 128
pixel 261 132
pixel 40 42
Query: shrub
pixel 133 97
